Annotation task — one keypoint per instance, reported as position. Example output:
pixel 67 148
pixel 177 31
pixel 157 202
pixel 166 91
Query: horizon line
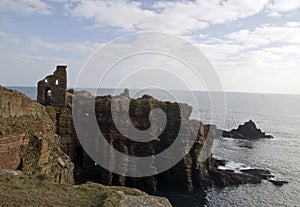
pixel 198 90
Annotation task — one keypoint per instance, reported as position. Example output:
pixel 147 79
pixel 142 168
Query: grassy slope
pixel 27 191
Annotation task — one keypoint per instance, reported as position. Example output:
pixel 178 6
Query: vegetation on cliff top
pixel 39 191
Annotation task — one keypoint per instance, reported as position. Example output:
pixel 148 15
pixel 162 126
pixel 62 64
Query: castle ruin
pixel 52 89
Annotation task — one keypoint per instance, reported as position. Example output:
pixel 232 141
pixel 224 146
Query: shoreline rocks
pixel 278 182
pixel 227 177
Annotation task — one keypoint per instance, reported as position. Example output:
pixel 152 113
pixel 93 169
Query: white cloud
pixel 284 5
pixel 81 49
pixel 257 60
pixel 26 70
pixel 177 17
pixel 34 44
pixel 33 57
pixel 220 51
pixel 274 14
pixel 25 6
pixel 121 14
pixel 263 35
pixel 248 59
pixel 259 70
pixel 293 24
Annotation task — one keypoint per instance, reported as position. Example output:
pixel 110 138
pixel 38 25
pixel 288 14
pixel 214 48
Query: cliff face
pixel 187 175
pixel 28 141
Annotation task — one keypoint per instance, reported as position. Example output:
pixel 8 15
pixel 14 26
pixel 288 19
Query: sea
pixel 276 114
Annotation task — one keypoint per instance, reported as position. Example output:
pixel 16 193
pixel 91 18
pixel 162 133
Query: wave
pixel 235 166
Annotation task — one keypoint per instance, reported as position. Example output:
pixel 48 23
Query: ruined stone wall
pixel 52 89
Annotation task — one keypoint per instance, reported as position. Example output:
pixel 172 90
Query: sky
pixel 254 45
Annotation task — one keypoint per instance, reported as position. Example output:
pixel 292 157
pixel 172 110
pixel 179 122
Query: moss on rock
pixel 40 191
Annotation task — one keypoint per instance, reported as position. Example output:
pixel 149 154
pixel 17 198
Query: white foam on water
pixel 228 139
pixel 235 166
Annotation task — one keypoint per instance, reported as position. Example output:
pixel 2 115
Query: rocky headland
pixel 186 176
pixel 34 171
pixel 39 139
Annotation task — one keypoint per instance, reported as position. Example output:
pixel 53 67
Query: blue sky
pixel 253 44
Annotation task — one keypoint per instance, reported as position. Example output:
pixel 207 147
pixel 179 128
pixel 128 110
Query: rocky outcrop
pixel 28 141
pixel 187 175
pixel 278 182
pixel 246 131
pixel 221 176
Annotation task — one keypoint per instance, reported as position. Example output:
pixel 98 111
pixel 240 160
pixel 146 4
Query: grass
pixel 39 191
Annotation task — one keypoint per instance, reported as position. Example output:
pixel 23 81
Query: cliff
pixel 41 140
pixel 34 171
pixel 28 141
pixel 187 175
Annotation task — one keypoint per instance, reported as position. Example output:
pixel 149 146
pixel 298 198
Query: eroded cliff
pixel 28 141
pixel 185 176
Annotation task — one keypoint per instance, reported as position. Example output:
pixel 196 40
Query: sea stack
pixel 248 130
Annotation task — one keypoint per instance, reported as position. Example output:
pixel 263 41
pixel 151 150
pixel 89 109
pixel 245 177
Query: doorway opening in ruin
pixel 48 96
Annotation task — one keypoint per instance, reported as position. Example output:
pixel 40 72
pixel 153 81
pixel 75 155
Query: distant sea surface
pixel 278 115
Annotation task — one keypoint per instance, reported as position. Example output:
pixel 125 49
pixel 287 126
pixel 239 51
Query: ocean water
pixel 276 114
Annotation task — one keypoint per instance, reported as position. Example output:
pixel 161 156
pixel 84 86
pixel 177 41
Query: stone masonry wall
pixel 52 89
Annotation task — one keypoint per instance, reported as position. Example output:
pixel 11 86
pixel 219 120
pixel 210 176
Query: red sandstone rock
pixel 27 139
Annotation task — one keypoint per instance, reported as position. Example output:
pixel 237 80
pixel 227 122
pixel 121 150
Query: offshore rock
pixel 246 131
pixel 28 141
